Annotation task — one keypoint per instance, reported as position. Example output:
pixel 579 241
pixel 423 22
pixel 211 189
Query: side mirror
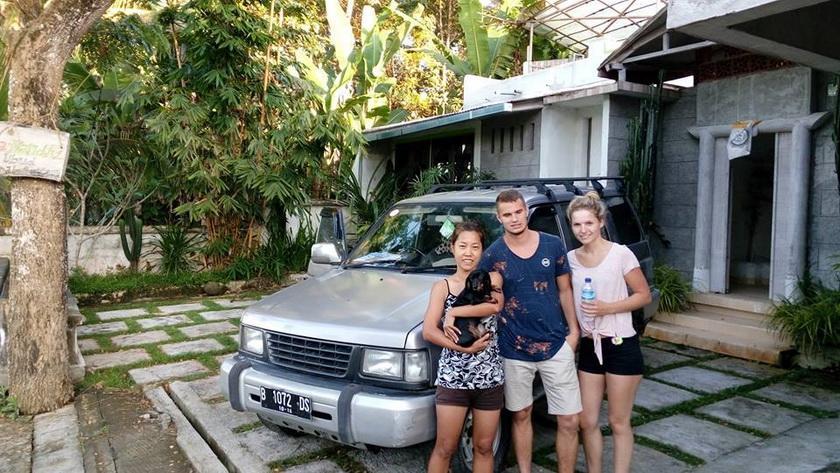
pixel 325 253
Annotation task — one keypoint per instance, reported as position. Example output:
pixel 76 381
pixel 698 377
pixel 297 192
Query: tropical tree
pixel 353 80
pixel 112 164
pixel 236 126
pixel 41 36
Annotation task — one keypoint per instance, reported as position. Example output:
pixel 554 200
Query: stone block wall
pixel 782 93
pixel 523 160
pixel 823 230
pixel 675 205
pixel 622 110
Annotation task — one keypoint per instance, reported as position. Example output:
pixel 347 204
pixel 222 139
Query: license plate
pixel 287 403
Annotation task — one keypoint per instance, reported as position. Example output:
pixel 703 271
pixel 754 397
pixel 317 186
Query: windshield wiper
pixel 429 269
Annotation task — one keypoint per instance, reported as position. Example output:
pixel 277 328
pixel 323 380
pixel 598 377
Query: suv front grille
pixel 309 355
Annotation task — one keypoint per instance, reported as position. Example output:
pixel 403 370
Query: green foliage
pixel 235 123
pixel 131 227
pixel 366 208
pixel 813 320
pixel 639 167
pixel 176 245
pixel 8 404
pixel 277 257
pixel 673 289
pixel 352 82
pixel 446 174
pixel 135 284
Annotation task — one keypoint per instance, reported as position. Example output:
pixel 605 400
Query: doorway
pixel 751 218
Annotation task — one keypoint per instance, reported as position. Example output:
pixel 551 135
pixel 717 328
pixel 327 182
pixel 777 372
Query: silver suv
pixel 342 356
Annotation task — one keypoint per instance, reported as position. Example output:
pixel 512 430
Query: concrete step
pixel 727 344
pixel 732 302
pixel 731 324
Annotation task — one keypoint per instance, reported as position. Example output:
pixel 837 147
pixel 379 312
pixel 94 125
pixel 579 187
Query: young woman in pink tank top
pixel 610 356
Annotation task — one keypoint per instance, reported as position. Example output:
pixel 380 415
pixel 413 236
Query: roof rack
pixel 539 183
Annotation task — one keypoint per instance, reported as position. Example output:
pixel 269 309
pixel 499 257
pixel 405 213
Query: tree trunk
pixel 39 374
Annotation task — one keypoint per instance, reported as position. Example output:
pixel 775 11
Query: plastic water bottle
pixel 587 293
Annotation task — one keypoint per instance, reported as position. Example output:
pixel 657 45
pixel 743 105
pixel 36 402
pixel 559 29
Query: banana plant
pixel 489 45
pixel 356 83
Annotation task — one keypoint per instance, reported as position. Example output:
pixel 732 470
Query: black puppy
pixel 477 290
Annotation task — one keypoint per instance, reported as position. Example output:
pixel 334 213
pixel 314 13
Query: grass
pixel 140 283
pixel 8 404
pixel 339 455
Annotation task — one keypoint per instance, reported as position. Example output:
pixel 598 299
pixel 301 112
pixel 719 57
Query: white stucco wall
pixel 563 141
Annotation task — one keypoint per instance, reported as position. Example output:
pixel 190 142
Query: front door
pixel 751 217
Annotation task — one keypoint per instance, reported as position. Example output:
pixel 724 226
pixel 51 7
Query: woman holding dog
pixel 610 356
pixel 468 377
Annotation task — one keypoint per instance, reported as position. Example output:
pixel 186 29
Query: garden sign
pixel 33 152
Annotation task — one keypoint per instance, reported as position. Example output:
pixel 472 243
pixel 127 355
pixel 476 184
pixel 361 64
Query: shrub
pixel 280 255
pixel 176 246
pixel 8 404
pixel 673 289
pixel 813 321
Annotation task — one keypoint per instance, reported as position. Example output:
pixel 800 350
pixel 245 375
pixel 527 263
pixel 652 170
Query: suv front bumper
pixel 348 413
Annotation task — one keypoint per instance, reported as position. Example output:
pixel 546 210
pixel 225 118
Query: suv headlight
pixel 251 340
pixel 412 366
pixel 383 363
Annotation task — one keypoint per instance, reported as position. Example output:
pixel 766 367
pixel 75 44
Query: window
pixel 511 138
pixel 492 141
pixel 521 137
pixel 502 140
pixel 533 131
pixel 544 219
pixel 624 221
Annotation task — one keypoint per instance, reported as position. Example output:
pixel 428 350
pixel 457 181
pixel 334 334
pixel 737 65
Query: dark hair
pixel 508 196
pixel 467 226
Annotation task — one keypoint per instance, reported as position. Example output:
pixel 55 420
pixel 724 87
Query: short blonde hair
pixel 592 202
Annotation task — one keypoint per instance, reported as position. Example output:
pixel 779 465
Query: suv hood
pixel 363 306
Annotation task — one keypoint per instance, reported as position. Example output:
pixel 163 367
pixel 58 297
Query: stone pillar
pixel 702 243
pixel 790 204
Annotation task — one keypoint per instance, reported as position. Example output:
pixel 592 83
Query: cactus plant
pixel 131 226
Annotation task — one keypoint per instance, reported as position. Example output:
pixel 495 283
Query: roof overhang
pixel 802 31
pixel 651 49
pixel 398 130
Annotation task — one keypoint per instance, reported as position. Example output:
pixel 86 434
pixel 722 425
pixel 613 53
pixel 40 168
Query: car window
pixel 417 236
pixel 624 221
pixel 544 219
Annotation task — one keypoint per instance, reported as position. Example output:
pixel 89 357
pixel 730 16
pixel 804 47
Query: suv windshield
pixel 416 237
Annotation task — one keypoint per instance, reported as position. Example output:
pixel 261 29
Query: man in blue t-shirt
pixel 538 330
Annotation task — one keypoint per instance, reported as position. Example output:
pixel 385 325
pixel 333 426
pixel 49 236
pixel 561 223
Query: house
pixel 554 121
pixel 747 185
pixel 746 180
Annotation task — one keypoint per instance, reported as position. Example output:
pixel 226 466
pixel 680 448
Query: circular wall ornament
pixel 739 137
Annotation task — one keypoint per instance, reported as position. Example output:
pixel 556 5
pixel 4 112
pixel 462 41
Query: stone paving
pixel 694 409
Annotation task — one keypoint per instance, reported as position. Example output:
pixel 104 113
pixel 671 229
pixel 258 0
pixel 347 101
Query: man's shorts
pixel 624 359
pixel 490 399
pixel 559 378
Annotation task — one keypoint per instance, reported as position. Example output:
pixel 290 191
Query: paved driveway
pixel 695 410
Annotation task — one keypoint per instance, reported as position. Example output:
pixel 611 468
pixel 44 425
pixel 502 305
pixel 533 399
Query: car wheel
pixel 463 461
pixel 280 429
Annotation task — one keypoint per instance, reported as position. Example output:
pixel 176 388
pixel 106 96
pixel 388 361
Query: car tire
pixel 280 429
pixel 462 461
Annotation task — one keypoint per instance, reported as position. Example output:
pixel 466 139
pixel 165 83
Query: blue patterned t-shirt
pixel 532 326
